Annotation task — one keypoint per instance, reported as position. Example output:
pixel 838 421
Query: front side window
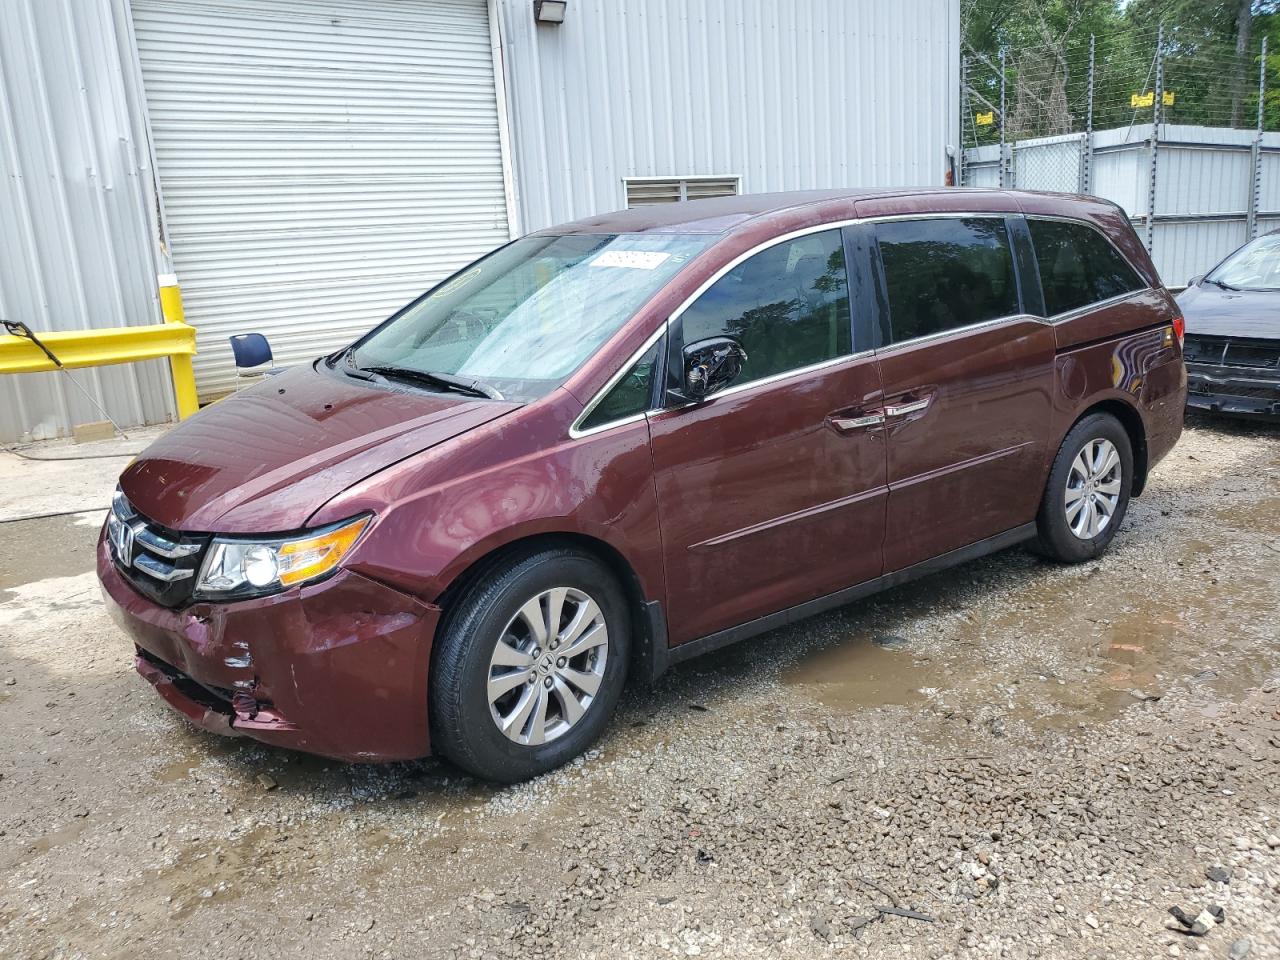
pixel 945 273
pixel 1078 266
pixel 788 306
pixel 1255 266
pixel 526 316
pixel 629 396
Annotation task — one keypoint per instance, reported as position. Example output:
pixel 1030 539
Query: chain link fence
pixel 1179 130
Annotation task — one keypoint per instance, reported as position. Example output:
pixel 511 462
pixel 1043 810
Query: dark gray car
pixel 1233 333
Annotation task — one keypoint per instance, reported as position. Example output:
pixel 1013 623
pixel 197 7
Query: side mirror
pixel 709 366
pixel 1194 281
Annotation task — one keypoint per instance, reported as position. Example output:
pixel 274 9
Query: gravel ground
pixel 1028 760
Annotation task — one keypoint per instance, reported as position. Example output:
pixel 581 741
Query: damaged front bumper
pixel 1237 391
pixel 338 668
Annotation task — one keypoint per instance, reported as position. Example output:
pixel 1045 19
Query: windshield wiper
pixel 352 368
pixel 1219 283
pixel 444 381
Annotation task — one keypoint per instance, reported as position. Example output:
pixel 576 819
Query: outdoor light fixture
pixel 549 11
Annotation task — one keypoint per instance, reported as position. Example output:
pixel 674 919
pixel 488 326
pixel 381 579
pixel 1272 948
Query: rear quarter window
pixel 1078 266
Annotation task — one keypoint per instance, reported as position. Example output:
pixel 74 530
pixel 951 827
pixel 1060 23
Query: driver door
pixel 772 491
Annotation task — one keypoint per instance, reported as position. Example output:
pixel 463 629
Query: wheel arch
pixel 645 631
pixel 1132 422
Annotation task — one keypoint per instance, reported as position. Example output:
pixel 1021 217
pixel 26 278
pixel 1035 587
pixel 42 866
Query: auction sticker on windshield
pixel 635 259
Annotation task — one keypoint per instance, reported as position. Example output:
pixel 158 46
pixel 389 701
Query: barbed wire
pixel 1044 91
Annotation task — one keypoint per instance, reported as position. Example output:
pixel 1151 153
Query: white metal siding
pixel 792 95
pixel 1203 181
pixel 1203 185
pixel 76 248
pixel 322 162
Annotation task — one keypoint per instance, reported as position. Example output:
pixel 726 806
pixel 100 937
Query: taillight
pixel 1180 329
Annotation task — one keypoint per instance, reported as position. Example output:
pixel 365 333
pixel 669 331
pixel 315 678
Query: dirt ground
pixel 1035 761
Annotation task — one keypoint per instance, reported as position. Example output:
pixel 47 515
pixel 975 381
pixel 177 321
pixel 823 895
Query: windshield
pixel 1255 266
pixel 522 319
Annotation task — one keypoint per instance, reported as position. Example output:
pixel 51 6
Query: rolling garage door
pixel 321 161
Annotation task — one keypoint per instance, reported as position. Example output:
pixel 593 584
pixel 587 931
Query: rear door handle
pixel 845 424
pixel 901 410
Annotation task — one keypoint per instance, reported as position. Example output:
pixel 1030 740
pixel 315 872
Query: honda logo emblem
pixel 124 544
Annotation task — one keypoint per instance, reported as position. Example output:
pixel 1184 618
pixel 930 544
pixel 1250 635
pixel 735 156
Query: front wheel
pixel 1087 494
pixel 529 666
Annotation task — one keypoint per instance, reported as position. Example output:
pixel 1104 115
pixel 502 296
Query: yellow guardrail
pixel 174 339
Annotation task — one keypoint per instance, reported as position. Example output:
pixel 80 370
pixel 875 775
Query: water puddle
pixel 1054 651
pixel 864 673
pixel 49 547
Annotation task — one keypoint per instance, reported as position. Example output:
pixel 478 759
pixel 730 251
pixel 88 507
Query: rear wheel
pixel 1087 494
pixel 529 666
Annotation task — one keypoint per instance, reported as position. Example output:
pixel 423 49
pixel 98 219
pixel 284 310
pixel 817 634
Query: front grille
pixel 1202 388
pixel 162 564
pixel 1233 352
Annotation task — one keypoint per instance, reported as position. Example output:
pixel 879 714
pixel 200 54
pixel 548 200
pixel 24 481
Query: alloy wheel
pixel 547 666
pixel 1093 488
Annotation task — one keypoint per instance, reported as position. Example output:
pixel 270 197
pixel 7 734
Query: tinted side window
pixel 629 396
pixel 1078 265
pixel 946 273
pixel 788 306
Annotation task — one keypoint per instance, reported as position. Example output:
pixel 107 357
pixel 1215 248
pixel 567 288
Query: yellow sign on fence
pixel 1137 100
pixel 985 119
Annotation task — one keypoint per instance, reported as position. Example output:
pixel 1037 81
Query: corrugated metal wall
pixel 1204 178
pixel 808 93
pixel 794 95
pixel 76 246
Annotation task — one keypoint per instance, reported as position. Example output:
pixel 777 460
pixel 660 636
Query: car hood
pixel 265 459
pixel 1214 312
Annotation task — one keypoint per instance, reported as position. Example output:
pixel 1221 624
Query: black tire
pixel 1056 538
pixel 463 728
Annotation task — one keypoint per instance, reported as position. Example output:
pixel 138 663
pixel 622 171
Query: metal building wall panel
pixel 1121 175
pixel 787 96
pixel 1267 224
pixel 322 162
pixel 1187 249
pixel 982 167
pixel 78 249
pixel 1269 194
pixel 983 175
pixel 1203 181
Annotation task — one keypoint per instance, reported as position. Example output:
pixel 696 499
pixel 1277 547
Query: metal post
pixel 1003 156
pixel 964 112
pixel 1255 152
pixel 1155 140
pixel 185 396
pixel 1086 147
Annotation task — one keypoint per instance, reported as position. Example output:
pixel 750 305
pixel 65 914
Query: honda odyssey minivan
pixel 613 445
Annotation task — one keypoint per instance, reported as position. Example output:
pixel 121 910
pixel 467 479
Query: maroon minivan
pixel 613 445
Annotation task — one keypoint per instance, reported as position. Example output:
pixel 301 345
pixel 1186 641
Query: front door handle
pixel 901 410
pixel 845 424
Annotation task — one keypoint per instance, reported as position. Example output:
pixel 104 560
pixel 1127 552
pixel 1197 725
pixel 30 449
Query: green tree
pixel 1210 56
pixel 1211 61
pixel 1046 47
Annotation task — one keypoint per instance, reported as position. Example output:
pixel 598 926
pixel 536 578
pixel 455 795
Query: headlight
pixel 238 567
